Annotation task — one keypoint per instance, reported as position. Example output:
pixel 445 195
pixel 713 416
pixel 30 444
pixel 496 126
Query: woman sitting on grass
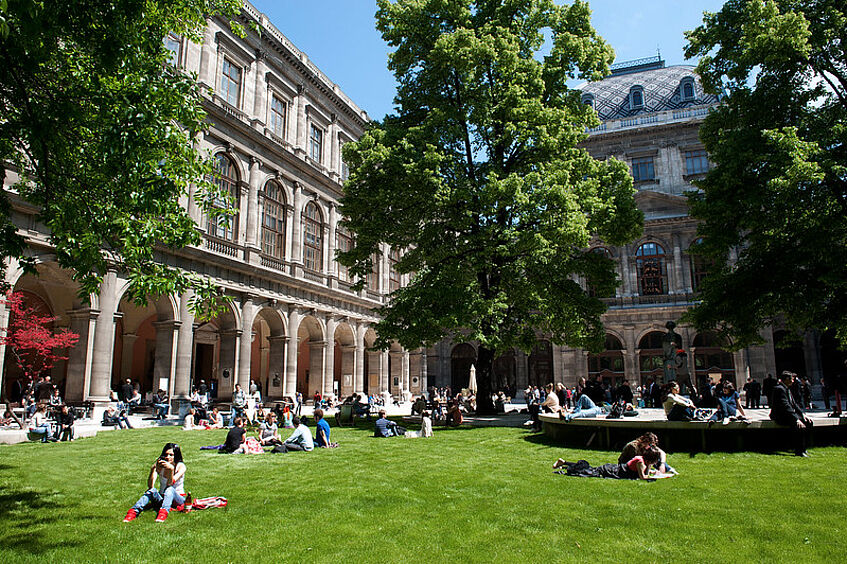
pixel 638 468
pixel 170 470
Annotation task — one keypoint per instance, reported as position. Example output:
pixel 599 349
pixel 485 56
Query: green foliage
pixel 478 178
pixel 471 495
pixel 100 129
pixel 778 193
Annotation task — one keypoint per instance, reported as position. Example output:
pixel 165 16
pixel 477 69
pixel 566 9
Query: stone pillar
pixel 290 387
pixel 296 256
pixel 252 237
pixel 679 281
pixel 359 360
pixel 184 347
pixel 334 164
pixel 228 363
pixel 331 265
pixel 404 373
pixel 384 376
pixel 329 352
pixel 276 364
pixel 79 357
pixel 300 144
pixel 317 367
pixel 289 231
pixel 259 96
pixel 246 348
pixel 164 365
pixel 208 57
pixel 104 339
pixel 424 371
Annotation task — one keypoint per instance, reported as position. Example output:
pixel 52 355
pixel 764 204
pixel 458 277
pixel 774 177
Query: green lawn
pixel 466 495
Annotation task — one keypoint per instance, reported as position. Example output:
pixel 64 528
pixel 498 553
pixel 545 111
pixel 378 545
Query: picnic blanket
pixel 208 503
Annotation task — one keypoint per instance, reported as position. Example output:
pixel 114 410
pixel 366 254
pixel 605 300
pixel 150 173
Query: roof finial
pixel 658 52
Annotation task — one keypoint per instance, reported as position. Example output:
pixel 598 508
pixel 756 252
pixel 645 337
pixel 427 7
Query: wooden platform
pixel 698 436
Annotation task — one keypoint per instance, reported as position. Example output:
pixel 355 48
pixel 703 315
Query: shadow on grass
pixel 27 512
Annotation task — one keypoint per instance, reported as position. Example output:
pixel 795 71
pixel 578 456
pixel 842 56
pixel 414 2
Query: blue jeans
pixel 161 409
pixel 45 432
pixel 152 498
pixel 584 407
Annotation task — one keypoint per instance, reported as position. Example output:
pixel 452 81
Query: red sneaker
pixel 163 514
pixel 130 515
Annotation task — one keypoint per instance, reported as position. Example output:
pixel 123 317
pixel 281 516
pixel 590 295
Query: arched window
pixel 273 220
pixel 699 267
pixel 592 290
pixel 344 244
pixel 652 269
pixel 636 97
pixel 224 227
pixel 588 99
pixel 608 365
pixel 687 89
pixel 312 238
pixel 651 356
pixel 393 275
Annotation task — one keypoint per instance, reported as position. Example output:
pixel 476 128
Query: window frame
pixel 639 165
pixel 655 260
pixel 176 55
pixel 695 156
pixel 272 239
pixel 632 92
pixel 312 248
pixel 227 183
pixel 342 234
pixel 394 278
pixel 315 128
pixel 226 89
pixel 274 118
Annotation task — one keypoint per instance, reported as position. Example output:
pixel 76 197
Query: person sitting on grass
pixel 236 438
pixel 639 446
pixel 322 431
pixel 583 407
pixel 637 468
pixel 216 419
pixel 677 407
pixel 384 427
pixel 300 439
pixel 169 468
pixel 269 431
pixel 426 424
pixel 39 425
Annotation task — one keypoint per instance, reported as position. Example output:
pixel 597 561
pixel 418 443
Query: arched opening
pixel 310 358
pixel 540 364
pixel 652 269
pixel 461 359
pixel 608 365
pixel 651 357
pixel 711 360
pixel 267 352
pixel 372 365
pixel 214 355
pixel 345 360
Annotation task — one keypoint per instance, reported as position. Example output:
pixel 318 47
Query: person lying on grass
pixel 169 468
pixel 638 468
pixel 638 446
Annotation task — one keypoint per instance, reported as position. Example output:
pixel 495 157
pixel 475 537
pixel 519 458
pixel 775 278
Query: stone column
pixel 276 364
pixel 246 348
pixel 164 365
pixel 424 371
pixel 359 361
pixel 329 355
pixel 384 376
pixel 296 257
pixel 317 352
pixel 184 347
pixel 300 144
pixel 679 281
pixel 331 265
pixel 812 354
pixel 404 373
pixel 208 56
pixel 79 357
pixel 289 232
pixel 290 387
pixel 104 339
pixel 259 96
pixel 252 238
pixel 228 362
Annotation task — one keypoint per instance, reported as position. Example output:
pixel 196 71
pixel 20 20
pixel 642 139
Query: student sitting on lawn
pixel 387 428
pixel 454 414
pixel 169 468
pixel 269 431
pixel 426 424
pixel 322 431
pixel 236 438
pixel 300 439
pixel 637 468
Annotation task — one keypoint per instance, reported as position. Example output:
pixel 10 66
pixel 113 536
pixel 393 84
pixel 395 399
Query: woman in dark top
pixel 235 442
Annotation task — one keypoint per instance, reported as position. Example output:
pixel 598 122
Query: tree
pixel 479 181
pixel 777 196
pixel 98 130
pixel 31 338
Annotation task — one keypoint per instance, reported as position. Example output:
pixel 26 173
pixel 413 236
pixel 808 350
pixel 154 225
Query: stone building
pixel 277 128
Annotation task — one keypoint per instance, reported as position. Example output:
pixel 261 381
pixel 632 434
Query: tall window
pixel 699 266
pixel 312 237
pixel 643 169
pixel 393 275
pixel 278 112
pixel 636 98
pixel 373 276
pixel 652 269
pixel 696 162
pixel 224 227
pixel 316 142
pixel 588 100
pixel 273 221
pixel 688 89
pixel 174 45
pixel 230 82
pixel 344 244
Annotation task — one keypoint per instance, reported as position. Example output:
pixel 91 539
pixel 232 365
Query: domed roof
pixel 662 88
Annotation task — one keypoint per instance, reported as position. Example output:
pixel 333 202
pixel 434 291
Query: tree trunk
pixel 484 375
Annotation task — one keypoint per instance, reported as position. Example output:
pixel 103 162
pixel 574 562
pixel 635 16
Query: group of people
pixel 640 459
pixel 301 438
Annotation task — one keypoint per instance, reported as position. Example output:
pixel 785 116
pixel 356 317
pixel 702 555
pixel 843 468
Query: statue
pixel 676 360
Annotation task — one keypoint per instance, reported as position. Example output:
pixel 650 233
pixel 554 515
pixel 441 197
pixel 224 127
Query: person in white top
pixel 426 424
pixel 169 469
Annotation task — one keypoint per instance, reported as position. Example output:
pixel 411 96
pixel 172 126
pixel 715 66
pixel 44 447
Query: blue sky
pixel 339 37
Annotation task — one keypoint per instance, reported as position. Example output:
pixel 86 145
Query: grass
pixel 466 495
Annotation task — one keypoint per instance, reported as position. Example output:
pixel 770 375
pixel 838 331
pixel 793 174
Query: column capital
pixel 167 324
pixel 84 313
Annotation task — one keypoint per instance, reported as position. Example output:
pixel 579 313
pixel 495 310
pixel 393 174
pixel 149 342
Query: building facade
pixel 277 126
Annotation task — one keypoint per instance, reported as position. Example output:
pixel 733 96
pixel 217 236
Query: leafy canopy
pixel 99 128
pixel 777 196
pixel 478 179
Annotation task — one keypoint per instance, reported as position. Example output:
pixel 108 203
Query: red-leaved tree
pixel 31 338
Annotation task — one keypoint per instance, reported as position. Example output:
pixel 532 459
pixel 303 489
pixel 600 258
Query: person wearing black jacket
pixel 786 411
pixel 66 424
